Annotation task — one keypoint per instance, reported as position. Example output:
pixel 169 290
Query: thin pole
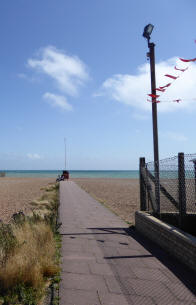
pixel 155 125
pixel 65 153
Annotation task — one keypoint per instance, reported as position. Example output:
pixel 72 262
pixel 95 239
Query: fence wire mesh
pixel 170 181
pixel 190 179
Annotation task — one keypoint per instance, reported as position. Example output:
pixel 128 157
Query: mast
pixel 65 153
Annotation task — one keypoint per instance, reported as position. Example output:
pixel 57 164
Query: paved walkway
pixel 106 263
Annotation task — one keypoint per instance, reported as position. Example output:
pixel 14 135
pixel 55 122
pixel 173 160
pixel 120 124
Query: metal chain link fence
pixel 177 183
pixel 168 178
pixel 190 178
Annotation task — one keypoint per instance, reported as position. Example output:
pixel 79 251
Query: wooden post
pixel 143 206
pixel 181 189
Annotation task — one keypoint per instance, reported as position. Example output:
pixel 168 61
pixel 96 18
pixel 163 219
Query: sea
pixel 126 174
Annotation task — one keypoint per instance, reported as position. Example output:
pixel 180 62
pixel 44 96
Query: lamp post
pixel 147 32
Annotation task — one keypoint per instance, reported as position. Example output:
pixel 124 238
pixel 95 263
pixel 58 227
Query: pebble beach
pixel 16 194
pixel 120 195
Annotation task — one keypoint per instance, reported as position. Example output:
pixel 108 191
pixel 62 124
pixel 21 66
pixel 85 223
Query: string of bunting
pixel 172 101
pixel 167 101
pixel 173 77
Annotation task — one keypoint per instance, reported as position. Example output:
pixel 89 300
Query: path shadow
pixel 102 231
pixel 184 273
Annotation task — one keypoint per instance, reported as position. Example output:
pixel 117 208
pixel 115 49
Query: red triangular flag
pixel 153 101
pixel 187 60
pixel 160 89
pixel 171 76
pixel 183 70
pixel 153 95
pixel 165 86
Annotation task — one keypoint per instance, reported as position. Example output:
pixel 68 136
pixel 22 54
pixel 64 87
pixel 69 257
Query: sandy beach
pixel 120 195
pixel 17 193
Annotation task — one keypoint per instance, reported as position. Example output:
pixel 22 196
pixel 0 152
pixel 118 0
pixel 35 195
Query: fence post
pixel 181 189
pixel 143 206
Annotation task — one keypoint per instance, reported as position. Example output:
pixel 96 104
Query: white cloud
pixel 57 101
pixel 175 136
pixel 132 90
pixel 69 72
pixel 34 156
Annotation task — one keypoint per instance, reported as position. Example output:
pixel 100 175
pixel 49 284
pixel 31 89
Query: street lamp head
pixel 147 31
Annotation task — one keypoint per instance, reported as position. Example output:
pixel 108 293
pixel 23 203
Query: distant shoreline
pixel 116 174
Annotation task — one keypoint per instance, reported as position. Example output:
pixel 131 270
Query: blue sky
pixel 78 69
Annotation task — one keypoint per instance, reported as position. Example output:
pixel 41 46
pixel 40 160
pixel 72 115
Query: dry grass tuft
pixel 32 259
pixel 28 247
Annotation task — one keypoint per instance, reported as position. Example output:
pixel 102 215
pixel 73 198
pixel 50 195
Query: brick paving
pixel 104 262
